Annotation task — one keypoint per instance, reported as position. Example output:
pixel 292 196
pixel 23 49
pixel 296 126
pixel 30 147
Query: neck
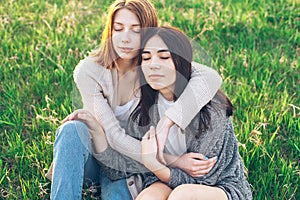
pixel 167 93
pixel 123 66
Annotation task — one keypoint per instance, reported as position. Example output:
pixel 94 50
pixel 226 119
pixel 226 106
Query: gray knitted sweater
pixel 219 140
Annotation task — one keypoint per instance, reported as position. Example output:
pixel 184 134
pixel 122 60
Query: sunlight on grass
pixel 254 46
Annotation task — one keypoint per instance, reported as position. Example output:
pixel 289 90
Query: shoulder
pixel 89 67
pixel 196 65
pixel 213 113
pixel 217 107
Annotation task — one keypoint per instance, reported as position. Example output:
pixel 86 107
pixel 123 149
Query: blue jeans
pixel 75 165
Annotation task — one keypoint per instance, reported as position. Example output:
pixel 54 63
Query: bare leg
pixel 156 191
pixel 196 191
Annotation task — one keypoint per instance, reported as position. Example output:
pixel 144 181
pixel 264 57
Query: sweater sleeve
pixel 93 82
pixel 211 143
pixel 118 166
pixel 227 173
pixel 201 88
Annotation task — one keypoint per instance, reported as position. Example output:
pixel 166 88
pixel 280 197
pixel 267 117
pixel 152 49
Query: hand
pixel 95 128
pixel 195 164
pixel 149 150
pixel 86 117
pixel 163 128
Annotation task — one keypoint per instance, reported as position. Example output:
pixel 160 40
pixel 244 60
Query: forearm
pixel 118 166
pixel 202 87
pixel 171 160
pixel 97 104
pixel 99 143
pixel 163 174
pixel 161 171
pixel 171 176
pixel 115 134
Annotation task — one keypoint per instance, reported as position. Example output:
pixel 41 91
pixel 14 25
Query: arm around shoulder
pixel 201 88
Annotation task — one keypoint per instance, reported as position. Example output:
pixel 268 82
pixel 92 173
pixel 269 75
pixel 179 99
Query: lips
pixel 125 49
pixel 155 76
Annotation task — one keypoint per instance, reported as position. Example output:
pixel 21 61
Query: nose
pixel 154 67
pixel 125 38
pixel 155 63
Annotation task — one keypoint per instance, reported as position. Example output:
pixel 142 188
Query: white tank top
pixel 122 113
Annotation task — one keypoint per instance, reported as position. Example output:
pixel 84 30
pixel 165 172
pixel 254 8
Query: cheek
pixel 137 40
pixel 145 72
pixel 172 77
pixel 171 74
pixel 114 40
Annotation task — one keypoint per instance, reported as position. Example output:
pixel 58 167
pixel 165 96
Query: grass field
pixel 255 48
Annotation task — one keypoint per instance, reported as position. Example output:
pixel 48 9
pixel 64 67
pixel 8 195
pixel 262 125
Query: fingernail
pixel 205 158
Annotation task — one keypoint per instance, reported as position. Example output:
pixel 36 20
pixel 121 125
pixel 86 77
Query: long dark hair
pixel 181 52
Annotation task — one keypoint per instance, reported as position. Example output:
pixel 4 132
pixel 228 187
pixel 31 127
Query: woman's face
pixel 126 35
pixel 158 66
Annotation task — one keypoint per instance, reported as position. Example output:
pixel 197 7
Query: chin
pixel 155 87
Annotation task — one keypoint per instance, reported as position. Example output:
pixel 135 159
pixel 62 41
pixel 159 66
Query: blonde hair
pixel 144 11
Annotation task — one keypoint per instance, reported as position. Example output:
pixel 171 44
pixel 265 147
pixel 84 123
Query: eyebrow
pixel 159 51
pixel 119 23
pixel 163 50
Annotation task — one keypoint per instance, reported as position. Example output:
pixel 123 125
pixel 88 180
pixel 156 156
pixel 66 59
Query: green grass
pixel 255 48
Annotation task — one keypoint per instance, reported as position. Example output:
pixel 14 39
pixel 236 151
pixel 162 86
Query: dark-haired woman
pixel 166 68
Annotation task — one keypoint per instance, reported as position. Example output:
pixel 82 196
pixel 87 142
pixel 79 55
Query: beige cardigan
pixel 97 84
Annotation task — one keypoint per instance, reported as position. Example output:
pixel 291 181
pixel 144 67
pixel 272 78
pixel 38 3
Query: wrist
pixel 99 143
pixel 171 160
pixel 154 165
pixel 163 173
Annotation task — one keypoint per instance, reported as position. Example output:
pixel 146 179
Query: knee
pixel 72 132
pixel 180 192
pixel 71 128
pixel 153 195
pixel 147 196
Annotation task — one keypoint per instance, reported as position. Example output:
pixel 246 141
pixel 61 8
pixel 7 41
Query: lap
pixel 197 191
pixel 157 191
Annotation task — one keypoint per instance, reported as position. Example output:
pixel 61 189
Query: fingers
pixel 81 114
pixel 205 164
pixel 201 172
pixel 68 118
pixel 202 167
pixel 198 156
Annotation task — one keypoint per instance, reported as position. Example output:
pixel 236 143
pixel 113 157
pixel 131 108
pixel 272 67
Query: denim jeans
pixel 75 166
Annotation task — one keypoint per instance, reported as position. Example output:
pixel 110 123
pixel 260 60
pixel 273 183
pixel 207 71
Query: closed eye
pixel 118 28
pixel 136 29
pixel 146 55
